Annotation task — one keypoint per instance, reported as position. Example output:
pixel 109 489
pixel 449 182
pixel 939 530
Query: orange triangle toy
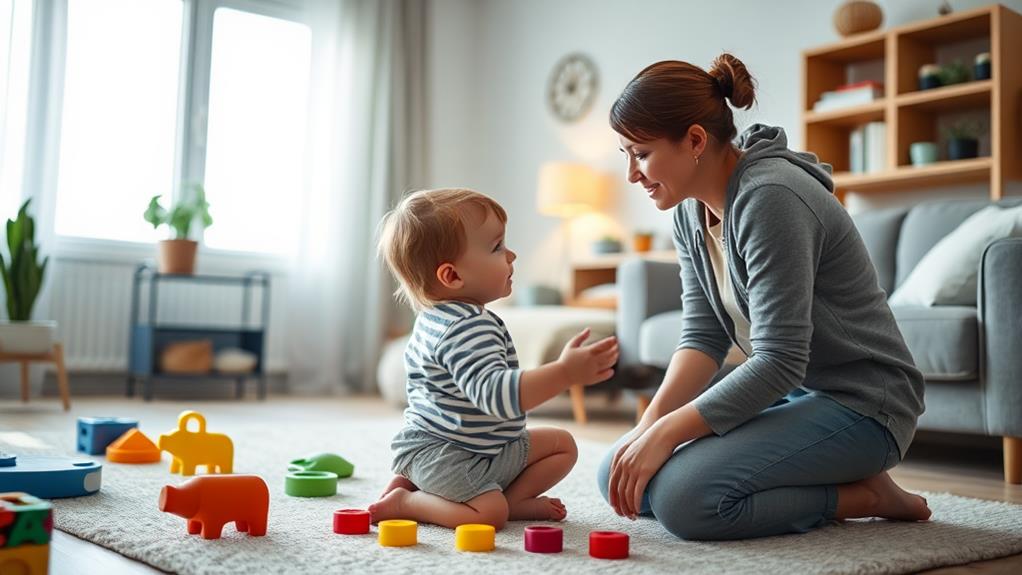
pixel 133 447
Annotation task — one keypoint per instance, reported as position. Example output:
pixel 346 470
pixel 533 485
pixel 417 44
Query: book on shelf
pixel 867 148
pixel 849 95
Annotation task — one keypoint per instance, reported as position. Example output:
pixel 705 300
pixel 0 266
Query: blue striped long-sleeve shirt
pixel 463 378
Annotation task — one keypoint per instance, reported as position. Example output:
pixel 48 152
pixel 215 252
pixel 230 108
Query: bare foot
pixel 399 481
pixel 390 506
pixel 893 502
pixel 539 509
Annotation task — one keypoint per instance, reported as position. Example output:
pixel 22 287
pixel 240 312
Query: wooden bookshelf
pixel 895 56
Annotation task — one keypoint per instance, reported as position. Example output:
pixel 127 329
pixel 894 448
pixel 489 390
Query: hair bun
pixel 734 80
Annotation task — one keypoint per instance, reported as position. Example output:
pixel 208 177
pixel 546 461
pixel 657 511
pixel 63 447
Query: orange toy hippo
pixel 191 448
pixel 210 501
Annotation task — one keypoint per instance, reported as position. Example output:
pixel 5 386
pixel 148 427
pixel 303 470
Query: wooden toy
pixel 310 484
pixel 25 560
pixel 474 537
pixel 49 477
pixel 96 433
pixel 210 501
pixel 193 448
pixel 543 539
pixel 398 533
pixel 351 521
pixel 608 545
pixel 24 519
pixel 323 462
pixel 133 447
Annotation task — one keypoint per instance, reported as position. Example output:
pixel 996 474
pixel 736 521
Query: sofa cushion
pixel 879 230
pixel 658 338
pixel 944 340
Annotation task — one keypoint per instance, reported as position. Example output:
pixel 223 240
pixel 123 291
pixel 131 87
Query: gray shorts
pixel 456 474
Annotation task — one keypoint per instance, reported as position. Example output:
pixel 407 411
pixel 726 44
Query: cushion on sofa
pixel 944 340
pixel 879 230
pixel 658 338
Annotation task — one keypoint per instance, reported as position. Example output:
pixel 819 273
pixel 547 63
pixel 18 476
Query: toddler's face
pixel 486 266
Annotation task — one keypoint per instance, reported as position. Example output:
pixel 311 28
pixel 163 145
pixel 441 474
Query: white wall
pixel 490 61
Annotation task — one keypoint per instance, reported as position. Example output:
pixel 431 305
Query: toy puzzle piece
pixel 50 477
pixel 191 449
pixel 96 433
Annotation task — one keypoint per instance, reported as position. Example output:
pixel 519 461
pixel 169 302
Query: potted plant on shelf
pixel 962 140
pixel 607 244
pixel 954 73
pixel 177 255
pixel 23 275
pixel 642 241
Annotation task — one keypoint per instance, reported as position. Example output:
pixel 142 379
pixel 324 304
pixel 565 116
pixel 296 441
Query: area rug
pixel 124 517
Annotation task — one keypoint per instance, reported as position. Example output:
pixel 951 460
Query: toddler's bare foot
pixel 390 506
pixel 538 509
pixel 893 502
pixel 399 481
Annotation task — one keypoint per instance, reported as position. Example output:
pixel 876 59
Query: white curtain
pixel 367 142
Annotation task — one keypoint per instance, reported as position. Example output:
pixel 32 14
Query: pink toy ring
pixel 351 521
pixel 543 539
pixel 608 545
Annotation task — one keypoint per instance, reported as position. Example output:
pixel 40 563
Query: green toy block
pixel 310 484
pixel 323 462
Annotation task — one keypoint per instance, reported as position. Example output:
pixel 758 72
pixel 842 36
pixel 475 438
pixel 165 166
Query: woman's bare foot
pixel 399 481
pixel 538 509
pixel 390 506
pixel 893 502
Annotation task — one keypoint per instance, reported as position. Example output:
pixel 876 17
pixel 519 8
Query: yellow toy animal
pixel 190 448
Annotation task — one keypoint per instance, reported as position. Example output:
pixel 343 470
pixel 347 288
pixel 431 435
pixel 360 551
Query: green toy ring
pixel 323 462
pixel 310 484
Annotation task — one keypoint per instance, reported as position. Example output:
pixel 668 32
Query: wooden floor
pixel 960 465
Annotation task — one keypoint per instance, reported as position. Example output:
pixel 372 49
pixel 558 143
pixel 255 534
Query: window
pixel 15 49
pixel 255 143
pixel 119 122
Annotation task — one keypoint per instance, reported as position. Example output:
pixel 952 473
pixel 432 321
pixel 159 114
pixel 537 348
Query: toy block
pixel 96 433
pixel 133 447
pixel 7 460
pixel 351 521
pixel 24 519
pixel 398 533
pixel 193 448
pixel 310 484
pixel 608 545
pixel 25 560
pixel 50 477
pixel 209 502
pixel 323 462
pixel 543 539
pixel 474 537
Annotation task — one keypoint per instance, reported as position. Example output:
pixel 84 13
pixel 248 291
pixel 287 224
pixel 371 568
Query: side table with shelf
pixel 148 336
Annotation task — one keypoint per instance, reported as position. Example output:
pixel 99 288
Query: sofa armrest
pixel 1000 336
pixel 645 288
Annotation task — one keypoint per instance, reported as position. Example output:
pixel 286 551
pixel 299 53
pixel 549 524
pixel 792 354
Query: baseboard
pixel 115 383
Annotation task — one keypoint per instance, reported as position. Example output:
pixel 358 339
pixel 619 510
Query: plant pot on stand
pixel 177 256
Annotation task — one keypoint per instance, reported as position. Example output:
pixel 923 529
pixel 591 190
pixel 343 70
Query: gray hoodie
pixel 803 279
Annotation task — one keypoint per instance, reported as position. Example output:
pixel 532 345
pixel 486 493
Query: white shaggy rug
pixel 124 517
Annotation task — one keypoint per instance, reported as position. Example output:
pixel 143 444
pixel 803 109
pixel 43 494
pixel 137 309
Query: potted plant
pixel 177 255
pixel 23 273
pixel 929 76
pixel 981 66
pixel 962 140
pixel 642 241
pixel 607 245
pixel 954 73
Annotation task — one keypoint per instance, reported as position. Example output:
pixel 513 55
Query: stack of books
pixel 867 148
pixel 849 95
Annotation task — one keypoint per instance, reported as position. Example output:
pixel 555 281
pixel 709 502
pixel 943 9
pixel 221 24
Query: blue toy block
pixel 95 433
pixel 49 477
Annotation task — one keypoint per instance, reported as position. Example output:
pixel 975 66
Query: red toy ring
pixel 543 539
pixel 351 521
pixel 608 545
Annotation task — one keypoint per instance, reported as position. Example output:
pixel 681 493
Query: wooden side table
pixel 56 356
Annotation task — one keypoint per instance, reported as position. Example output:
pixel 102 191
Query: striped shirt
pixel 463 378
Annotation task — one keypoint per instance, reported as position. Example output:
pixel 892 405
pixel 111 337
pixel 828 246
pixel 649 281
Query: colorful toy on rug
pixel 351 521
pixel 96 433
pixel 543 539
pixel 48 476
pixel 310 484
pixel 26 525
pixel 608 545
pixel 133 447
pixel 210 501
pixel 193 448
pixel 323 462
pixel 474 537
pixel 398 533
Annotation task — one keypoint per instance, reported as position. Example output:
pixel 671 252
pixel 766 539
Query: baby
pixel 465 455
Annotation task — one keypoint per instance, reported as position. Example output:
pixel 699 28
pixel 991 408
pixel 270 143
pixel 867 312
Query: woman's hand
pixel 634 464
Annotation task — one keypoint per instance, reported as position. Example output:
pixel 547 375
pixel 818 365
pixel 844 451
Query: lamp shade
pixel 566 189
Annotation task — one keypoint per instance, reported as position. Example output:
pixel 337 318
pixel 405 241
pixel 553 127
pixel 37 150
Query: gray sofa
pixel 971 356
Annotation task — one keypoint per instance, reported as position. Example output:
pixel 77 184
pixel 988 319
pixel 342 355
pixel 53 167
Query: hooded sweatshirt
pixel 803 279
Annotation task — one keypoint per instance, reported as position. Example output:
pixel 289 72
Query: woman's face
pixel 666 170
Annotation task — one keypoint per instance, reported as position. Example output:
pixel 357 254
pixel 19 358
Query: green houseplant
pixel 23 273
pixel 177 255
pixel 962 139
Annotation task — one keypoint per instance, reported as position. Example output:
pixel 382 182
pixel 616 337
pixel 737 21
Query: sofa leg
pixel 642 404
pixel 578 403
pixel 1013 460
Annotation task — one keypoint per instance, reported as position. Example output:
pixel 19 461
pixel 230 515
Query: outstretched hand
pixel 589 364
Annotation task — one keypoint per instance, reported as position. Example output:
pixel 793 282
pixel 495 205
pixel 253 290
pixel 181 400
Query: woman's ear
pixel 448 276
pixel 697 137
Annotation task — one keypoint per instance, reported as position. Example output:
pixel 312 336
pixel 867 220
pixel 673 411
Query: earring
pixel 697 160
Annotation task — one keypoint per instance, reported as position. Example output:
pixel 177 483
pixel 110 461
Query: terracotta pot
pixel 858 16
pixel 642 242
pixel 177 256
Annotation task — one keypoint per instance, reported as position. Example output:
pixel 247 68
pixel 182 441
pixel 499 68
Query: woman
pixel 806 428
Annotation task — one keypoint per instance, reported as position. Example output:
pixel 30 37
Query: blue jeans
pixel 776 473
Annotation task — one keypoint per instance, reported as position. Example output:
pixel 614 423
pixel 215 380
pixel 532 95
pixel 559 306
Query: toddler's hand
pixel 589 364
